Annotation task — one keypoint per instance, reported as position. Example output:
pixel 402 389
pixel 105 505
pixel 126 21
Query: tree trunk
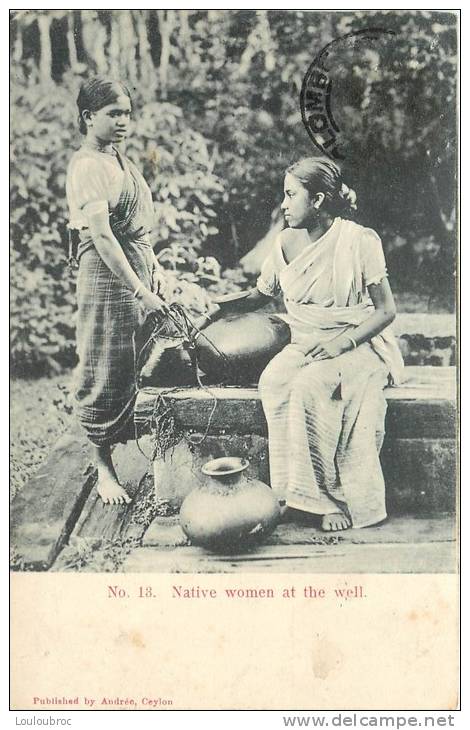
pixel 146 67
pixel 17 55
pixel 166 24
pixel 73 57
pixel 185 32
pixel 94 40
pixel 45 48
pixel 114 48
pixel 128 43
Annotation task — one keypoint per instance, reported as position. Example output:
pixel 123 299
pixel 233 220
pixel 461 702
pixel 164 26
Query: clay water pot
pixel 167 367
pixel 234 349
pixel 237 347
pixel 229 511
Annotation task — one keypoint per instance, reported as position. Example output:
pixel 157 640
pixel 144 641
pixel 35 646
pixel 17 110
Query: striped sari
pixel 109 322
pixel 326 418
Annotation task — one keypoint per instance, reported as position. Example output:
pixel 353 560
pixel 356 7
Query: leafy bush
pixel 42 290
pixel 175 161
pixel 216 169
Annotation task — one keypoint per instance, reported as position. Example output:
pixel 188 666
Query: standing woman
pixel 323 394
pixel 111 214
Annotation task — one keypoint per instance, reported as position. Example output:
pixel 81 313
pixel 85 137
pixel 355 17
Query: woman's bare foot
pixel 337 521
pixel 107 485
pixel 111 491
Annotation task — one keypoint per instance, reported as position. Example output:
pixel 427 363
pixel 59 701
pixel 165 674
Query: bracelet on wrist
pixel 137 291
pixel 352 340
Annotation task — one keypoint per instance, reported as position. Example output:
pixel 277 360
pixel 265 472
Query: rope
pixel 163 421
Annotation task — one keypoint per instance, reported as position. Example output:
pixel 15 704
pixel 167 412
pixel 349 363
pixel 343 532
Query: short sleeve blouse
pixel 268 280
pixel 373 264
pixel 94 183
pixel 371 255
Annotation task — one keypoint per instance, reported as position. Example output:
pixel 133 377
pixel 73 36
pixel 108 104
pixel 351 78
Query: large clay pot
pixel 234 349
pixel 238 347
pixel 167 367
pixel 229 511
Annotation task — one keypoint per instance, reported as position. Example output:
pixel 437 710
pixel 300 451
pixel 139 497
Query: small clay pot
pixel 229 511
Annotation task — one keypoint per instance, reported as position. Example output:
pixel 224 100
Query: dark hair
pixel 96 93
pixel 322 175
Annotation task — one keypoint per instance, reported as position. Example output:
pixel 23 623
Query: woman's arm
pixel 254 300
pixel 384 314
pixel 113 256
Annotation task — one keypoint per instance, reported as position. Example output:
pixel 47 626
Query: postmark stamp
pixel 316 96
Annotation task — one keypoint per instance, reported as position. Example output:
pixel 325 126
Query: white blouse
pixel 94 183
pixel 312 268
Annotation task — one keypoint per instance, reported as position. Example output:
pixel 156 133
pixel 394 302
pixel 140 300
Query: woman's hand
pixel 332 348
pixel 152 301
pixel 213 310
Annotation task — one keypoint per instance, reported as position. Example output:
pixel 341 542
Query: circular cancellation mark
pixel 317 93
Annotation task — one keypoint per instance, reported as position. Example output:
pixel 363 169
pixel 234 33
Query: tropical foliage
pixel 217 120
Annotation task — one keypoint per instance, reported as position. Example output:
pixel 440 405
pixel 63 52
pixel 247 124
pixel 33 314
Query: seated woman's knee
pixel 315 378
pixel 269 378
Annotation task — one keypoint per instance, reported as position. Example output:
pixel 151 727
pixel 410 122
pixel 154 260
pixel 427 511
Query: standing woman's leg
pixel 108 317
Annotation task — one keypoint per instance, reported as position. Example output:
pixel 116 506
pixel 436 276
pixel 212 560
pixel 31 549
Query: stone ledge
pixel 418 454
pixel 423 406
pixel 399 545
pixel 425 324
pixel 418 457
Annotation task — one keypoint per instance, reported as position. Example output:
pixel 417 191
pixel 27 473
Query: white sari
pixel 326 418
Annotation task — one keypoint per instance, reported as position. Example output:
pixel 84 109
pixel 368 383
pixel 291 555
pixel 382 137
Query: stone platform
pixel 418 454
pixel 59 505
pixel 399 545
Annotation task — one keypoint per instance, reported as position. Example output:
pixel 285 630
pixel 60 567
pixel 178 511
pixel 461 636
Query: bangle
pixel 352 340
pixel 137 290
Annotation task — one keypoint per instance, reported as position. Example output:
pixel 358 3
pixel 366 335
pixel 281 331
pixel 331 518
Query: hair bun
pixel 348 195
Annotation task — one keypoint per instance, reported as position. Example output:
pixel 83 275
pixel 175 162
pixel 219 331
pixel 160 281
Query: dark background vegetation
pixel 217 119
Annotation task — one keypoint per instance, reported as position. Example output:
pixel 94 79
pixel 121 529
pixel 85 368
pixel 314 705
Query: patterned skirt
pixel 109 332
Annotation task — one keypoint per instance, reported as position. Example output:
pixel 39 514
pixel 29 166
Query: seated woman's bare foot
pixel 336 521
pixel 111 491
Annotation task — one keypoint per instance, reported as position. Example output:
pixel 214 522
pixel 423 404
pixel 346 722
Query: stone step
pixel 426 339
pixel 423 405
pixel 426 324
pixel 399 545
pixel 418 453
pixel 59 501
pixel 409 558
pixel 43 514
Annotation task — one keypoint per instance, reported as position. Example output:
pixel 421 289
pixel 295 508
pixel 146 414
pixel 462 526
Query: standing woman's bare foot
pixel 107 485
pixel 111 491
pixel 335 522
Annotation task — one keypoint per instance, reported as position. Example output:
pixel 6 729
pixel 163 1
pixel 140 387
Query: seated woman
pixel 323 393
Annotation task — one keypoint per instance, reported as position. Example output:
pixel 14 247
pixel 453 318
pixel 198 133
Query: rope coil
pixel 163 422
